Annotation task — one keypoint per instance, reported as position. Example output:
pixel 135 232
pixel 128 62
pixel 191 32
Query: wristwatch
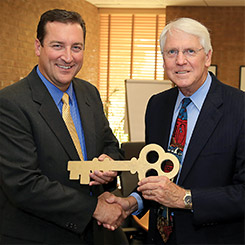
pixel 188 199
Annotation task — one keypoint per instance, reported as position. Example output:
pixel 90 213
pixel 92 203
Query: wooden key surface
pixel 81 169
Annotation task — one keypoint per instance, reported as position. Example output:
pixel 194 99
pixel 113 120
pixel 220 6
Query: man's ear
pixel 37 47
pixel 208 58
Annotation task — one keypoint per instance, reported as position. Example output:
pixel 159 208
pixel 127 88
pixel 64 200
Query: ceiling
pixel 163 3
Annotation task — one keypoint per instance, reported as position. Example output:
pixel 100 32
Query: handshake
pixel 111 210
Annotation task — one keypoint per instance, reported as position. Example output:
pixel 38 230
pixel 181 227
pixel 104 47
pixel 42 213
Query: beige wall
pixel 18 21
pixel 19 18
pixel 227 28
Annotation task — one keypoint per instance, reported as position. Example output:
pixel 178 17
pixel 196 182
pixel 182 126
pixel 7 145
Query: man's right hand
pixel 128 204
pixel 111 215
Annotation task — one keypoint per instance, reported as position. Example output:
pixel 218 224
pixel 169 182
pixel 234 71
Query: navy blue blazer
pixel 213 168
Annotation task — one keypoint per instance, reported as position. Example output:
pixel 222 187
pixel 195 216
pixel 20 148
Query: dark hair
pixel 58 15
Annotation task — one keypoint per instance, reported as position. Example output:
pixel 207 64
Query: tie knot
pixel 186 102
pixel 65 99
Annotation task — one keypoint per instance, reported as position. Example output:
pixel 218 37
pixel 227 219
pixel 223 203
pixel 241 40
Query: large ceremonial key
pixel 141 165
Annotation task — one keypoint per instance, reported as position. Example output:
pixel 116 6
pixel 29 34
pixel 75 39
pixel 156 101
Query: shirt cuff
pixel 139 201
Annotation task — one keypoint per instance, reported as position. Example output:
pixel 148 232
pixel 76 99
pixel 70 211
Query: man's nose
pixel 67 55
pixel 181 58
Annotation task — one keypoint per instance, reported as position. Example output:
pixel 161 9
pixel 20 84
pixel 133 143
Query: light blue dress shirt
pixel 193 110
pixel 57 95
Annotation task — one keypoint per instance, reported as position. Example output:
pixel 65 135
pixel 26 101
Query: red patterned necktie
pixel 177 143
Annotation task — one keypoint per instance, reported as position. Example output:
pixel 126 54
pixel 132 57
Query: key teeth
pixel 72 168
pixel 84 181
pixel 74 176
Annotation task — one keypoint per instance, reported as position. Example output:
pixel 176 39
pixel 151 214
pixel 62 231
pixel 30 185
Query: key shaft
pixel 83 168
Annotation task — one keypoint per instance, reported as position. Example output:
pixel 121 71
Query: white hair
pixel 189 26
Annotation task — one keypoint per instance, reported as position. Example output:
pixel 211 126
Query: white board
pixel 242 78
pixel 138 92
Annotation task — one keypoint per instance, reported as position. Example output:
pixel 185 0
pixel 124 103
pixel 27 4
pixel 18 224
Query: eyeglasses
pixel 188 53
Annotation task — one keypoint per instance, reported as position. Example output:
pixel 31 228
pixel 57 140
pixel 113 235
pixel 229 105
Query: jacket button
pixel 70 225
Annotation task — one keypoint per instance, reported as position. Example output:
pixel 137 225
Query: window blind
pixel 129 49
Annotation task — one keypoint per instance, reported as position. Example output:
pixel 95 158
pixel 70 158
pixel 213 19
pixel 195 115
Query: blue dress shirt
pixel 57 95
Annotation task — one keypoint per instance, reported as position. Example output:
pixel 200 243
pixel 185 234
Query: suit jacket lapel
pixel 51 114
pixel 168 116
pixel 161 109
pixel 209 117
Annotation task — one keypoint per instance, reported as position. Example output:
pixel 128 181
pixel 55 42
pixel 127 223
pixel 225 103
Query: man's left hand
pixel 163 191
pixel 100 177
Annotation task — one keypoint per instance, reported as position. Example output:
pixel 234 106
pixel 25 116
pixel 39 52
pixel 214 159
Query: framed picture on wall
pixel 242 78
pixel 213 68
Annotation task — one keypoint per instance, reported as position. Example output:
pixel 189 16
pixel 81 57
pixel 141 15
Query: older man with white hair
pixel 201 121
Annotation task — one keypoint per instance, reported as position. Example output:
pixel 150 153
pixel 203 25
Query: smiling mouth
pixel 65 67
pixel 182 72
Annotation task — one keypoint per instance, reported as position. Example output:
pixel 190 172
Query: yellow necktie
pixel 66 114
